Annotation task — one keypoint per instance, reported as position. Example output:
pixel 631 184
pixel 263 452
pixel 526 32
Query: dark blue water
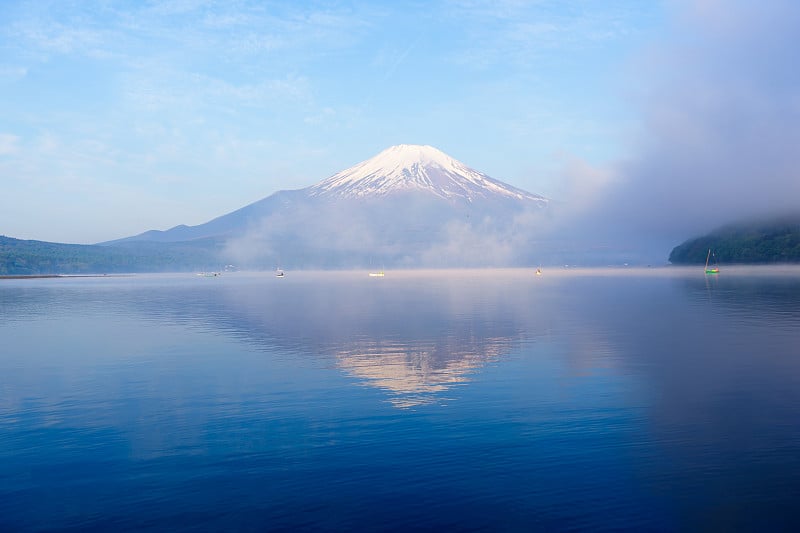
pixel 498 400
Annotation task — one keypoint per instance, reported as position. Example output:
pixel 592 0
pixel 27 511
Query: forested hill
pixel 774 241
pixel 24 257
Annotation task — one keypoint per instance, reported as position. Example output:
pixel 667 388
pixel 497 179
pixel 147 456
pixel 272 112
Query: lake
pixel 607 399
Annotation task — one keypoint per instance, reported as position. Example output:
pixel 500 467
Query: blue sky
pixel 119 117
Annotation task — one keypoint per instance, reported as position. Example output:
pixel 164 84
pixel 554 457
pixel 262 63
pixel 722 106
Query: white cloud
pixel 13 73
pixel 9 144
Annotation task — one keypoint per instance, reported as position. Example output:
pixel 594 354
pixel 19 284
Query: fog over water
pixel 718 133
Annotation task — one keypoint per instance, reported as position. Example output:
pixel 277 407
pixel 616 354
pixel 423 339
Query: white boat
pixel 279 273
pixel 378 274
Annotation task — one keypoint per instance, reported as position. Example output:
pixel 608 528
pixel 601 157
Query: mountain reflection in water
pixel 413 373
pixel 413 334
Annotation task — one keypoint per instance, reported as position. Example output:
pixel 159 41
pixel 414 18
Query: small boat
pixel 279 273
pixel 714 269
pixel 378 274
pixel 539 271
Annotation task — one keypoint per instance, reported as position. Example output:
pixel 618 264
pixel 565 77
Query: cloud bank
pixel 720 127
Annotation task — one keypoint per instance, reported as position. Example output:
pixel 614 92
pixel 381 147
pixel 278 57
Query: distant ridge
pixel 31 258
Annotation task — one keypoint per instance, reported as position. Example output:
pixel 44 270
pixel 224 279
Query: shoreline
pixel 47 276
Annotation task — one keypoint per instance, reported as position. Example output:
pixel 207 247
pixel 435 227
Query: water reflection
pixel 758 293
pixel 717 364
pixel 414 374
pixel 414 336
pixel 649 400
pixel 418 335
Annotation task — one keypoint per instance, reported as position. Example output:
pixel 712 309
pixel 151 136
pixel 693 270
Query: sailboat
pixel 714 269
pixel 279 273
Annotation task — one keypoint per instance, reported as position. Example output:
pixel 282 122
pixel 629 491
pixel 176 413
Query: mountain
pixel 409 205
pixel 773 240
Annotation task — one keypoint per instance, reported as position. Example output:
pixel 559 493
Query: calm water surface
pixel 656 399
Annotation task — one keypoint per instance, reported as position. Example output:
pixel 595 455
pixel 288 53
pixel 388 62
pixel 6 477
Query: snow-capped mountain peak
pixel 411 167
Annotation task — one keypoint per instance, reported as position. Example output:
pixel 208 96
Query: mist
pixel 408 231
pixel 718 136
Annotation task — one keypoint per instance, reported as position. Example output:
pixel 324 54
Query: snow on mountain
pixel 410 167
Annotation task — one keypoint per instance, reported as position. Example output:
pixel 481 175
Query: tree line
pixel 775 241
pixel 26 257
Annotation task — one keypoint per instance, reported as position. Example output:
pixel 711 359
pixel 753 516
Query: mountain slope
pixel 224 226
